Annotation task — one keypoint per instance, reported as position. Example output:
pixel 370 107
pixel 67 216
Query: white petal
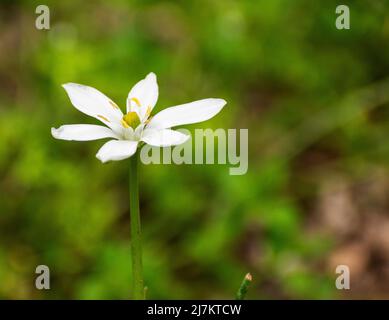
pixel 82 132
pixel 94 103
pixel 192 112
pixel 143 96
pixel 164 138
pixel 116 150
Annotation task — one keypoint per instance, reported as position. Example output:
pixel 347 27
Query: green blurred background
pixel 315 101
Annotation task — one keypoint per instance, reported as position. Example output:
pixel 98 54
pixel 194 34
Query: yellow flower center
pixel 131 119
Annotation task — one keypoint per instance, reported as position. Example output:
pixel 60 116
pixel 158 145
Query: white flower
pixel 137 124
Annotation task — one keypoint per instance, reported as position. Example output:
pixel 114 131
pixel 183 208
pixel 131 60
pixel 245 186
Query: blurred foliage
pixel 314 99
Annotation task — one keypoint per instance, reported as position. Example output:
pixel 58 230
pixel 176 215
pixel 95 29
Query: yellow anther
pixel 113 104
pixel 136 101
pixel 102 117
pixel 148 111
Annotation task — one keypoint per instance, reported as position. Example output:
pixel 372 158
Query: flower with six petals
pixel 137 125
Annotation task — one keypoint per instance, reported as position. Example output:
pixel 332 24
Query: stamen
pixel 148 120
pixel 136 101
pixel 148 111
pixel 102 117
pixel 113 104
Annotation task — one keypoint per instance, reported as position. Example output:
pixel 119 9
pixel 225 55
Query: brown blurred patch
pixel 356 214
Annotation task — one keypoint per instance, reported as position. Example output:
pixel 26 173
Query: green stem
pixel 136 246
pixel 241 294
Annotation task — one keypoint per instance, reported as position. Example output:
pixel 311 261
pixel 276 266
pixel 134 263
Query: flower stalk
pixel 136 243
